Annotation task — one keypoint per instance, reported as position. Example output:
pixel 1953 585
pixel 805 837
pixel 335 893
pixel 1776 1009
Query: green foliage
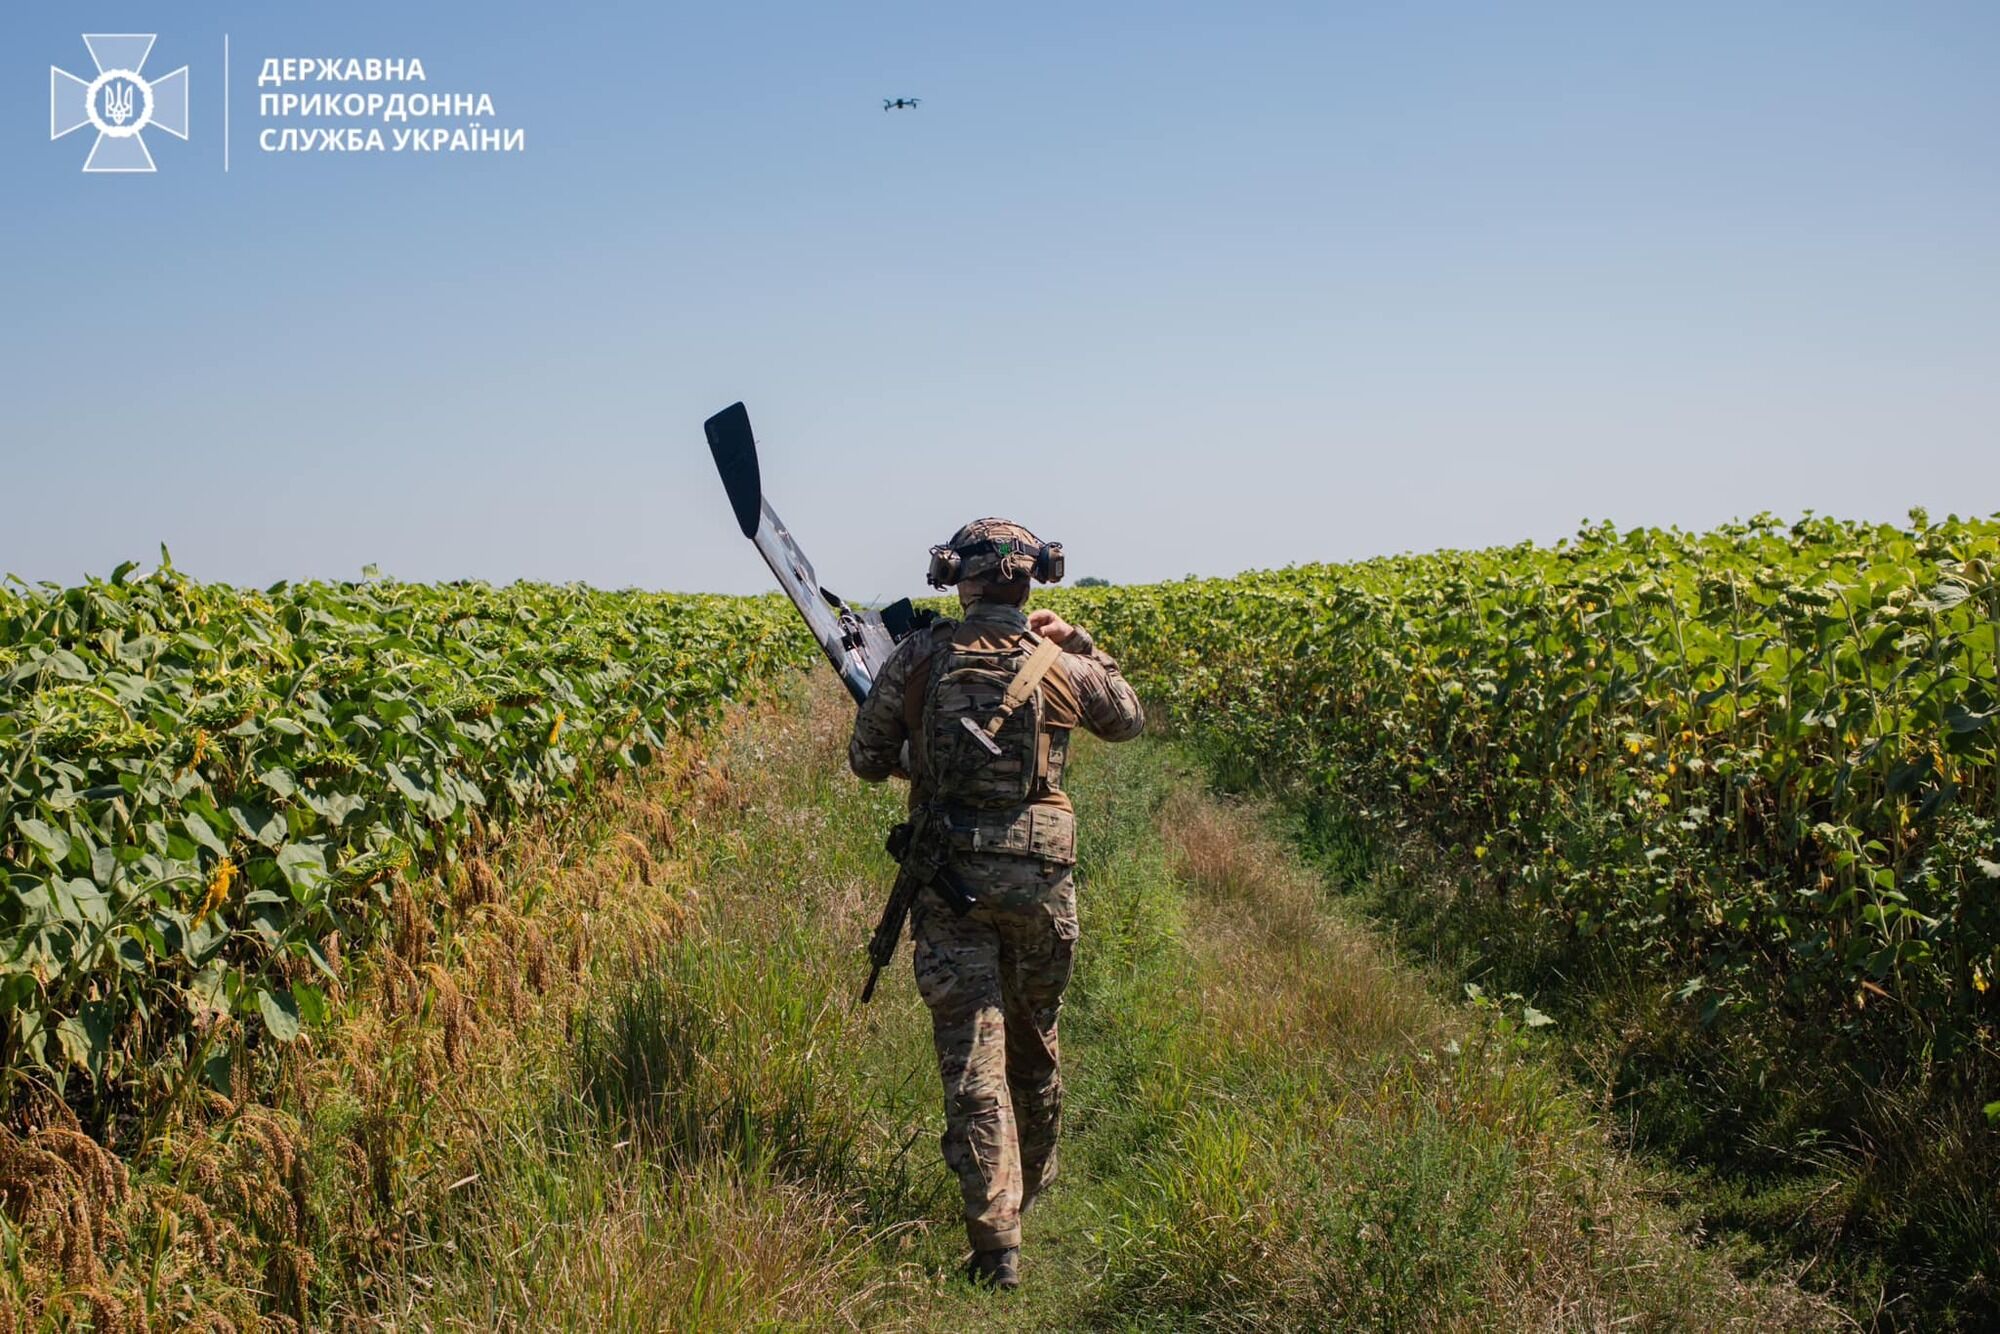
pixel 203 784
pixel 1757 764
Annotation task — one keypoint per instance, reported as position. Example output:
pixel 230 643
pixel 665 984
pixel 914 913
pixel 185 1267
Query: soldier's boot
pixel 995 1269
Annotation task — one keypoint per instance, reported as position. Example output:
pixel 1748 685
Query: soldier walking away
pixel 977 714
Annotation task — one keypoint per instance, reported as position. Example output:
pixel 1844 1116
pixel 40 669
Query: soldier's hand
pixel 1069 638
pixel 1050 626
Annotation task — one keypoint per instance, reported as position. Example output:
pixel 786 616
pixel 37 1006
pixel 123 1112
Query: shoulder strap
pixel 1022 687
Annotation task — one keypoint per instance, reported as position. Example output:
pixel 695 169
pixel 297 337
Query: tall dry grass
pixel 623 1083
pixel 290 1187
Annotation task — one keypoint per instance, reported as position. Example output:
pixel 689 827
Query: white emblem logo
pixel 120 102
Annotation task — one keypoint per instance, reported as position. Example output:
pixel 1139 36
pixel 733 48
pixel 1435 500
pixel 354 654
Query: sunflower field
pixel 1756 765
pixel 207 788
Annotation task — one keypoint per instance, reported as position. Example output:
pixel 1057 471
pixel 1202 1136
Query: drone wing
pixel 857 643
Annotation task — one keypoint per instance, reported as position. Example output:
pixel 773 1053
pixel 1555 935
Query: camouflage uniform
pixel 994 978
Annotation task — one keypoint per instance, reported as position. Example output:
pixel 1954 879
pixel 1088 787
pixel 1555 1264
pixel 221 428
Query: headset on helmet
pixel 989 545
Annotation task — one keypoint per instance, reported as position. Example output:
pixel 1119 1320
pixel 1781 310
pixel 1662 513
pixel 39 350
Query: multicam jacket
pixel 1083 689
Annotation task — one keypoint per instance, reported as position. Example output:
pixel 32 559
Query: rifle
pixel 922 859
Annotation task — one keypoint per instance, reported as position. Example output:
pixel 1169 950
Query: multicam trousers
pixel 994 980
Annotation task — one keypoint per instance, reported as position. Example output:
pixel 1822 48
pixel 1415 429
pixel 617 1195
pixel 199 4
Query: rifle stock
pixel 922 861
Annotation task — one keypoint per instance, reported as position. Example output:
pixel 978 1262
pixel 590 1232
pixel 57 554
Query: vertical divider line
pixel 225 102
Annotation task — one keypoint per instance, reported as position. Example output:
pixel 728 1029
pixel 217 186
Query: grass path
pixel 1271 1124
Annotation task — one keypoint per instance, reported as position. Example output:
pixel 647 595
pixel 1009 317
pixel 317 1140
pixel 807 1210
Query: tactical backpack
pixel 982 723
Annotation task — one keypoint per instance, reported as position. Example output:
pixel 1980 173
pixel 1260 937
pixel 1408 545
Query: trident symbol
pixel 118 103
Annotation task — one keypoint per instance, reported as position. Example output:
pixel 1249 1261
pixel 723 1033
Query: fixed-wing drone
pixel 899 103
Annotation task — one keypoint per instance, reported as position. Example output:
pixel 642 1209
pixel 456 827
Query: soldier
pixel 977 714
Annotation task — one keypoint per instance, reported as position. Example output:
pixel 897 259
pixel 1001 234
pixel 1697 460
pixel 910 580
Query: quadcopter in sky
pixel 899 103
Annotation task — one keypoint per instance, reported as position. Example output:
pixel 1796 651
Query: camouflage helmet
pixel 994 549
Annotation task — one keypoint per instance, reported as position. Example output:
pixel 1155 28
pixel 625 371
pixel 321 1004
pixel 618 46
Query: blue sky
pixel 1191 288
